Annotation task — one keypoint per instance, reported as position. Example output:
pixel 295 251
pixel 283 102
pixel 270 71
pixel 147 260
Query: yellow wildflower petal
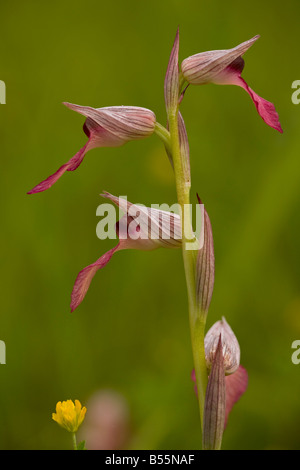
pixel 68 415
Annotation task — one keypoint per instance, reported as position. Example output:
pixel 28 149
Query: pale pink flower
pixel 224 67
pixel 105 127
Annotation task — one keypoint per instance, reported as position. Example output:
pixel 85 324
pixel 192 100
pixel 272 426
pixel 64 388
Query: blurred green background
pixel 131 333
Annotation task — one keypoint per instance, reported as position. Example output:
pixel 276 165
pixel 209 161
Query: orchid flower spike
pixel 224 67
pixel 141 228
pixel 105 127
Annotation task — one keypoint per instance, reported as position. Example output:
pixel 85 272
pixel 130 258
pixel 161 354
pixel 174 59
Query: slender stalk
pixel 74 441
pixel 197 323
pixel 163 134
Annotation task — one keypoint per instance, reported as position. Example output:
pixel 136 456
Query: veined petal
pixel 85 277
pixel 232 76
pixel 204 67
pixel 236 385
pixel 231 347
pixel 224 67
pixel 156 227
pixel 125 123
pixel 98 137
pixel 171 86
pixel 265 108
pixel 71 165
pixel 205 268
pixel 185 149
pixel 214 407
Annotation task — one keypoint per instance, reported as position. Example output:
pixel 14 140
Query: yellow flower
pixel 68 415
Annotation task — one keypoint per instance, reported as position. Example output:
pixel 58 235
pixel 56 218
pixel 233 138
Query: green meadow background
pixel 131 333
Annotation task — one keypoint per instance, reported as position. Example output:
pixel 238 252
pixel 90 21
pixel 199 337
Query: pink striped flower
pixel 105 127
pixel 141 228
pixel 224 67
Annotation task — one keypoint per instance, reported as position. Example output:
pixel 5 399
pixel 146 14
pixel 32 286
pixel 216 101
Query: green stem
pixel 74 440
pixel 182 81
pixel 163 134
pixel 197 324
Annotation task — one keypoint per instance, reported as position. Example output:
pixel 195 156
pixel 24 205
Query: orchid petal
pixel 204 67
pixel 232 76
pixel 184 149
pixel 157 227
pixel 71 165
pixel 224 67
pixel 265 108
pixel 171 86
pixel 125 123
pixel 205 268
pixel 105 127
pixel 214 407
pixel 236 385
pixel 85 277
pixel 231 347
pixel 162 221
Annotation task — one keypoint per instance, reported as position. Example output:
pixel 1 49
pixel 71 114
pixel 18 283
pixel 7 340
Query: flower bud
pixel 205 267
pixel 171 86
pixel 230 346
pixel 215 403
